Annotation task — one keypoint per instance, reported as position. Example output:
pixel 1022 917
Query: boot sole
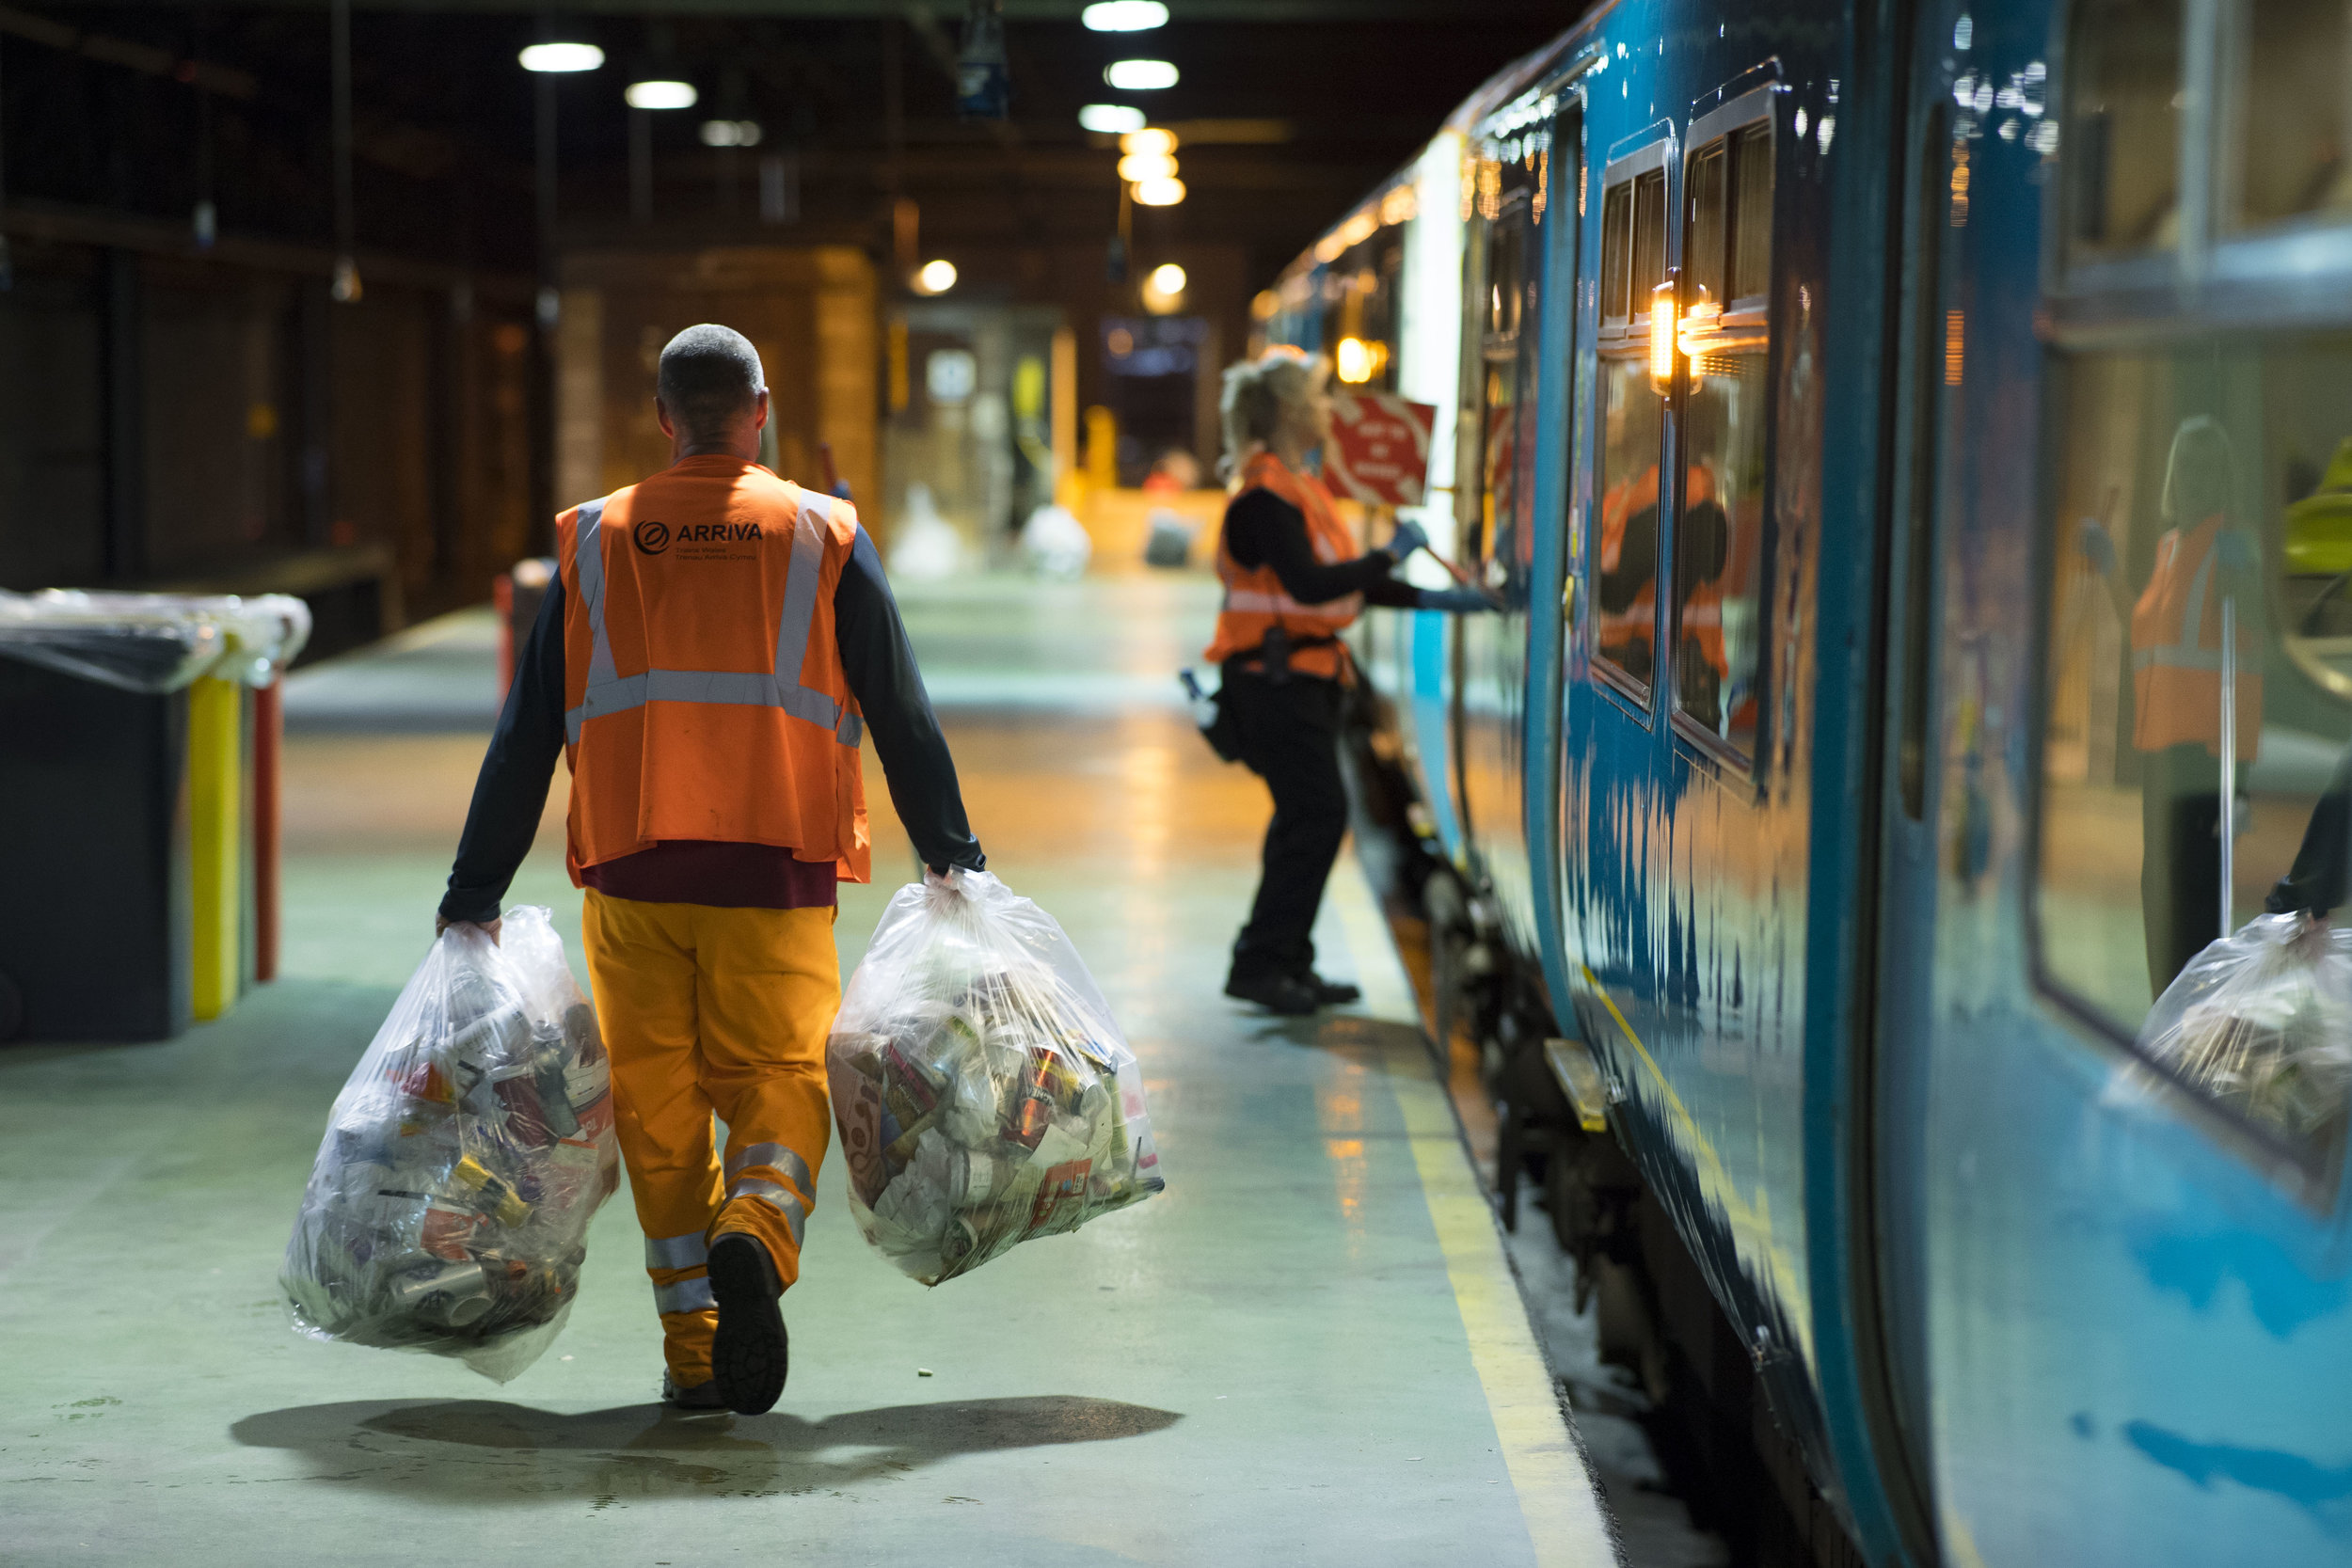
pixel 749 1354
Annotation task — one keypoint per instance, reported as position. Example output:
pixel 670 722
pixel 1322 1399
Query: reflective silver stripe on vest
pixel 2190 652
pixel 779 1197
pixel 687 1295
pixel 774 1155
pixel 608 692
pixel 1251 601
pixel 688 1251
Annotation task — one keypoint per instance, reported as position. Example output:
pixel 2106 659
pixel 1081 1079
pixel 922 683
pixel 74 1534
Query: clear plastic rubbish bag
pixel 155 642
pixel 2262 1021
pixel 985 1094
pixel 448 1208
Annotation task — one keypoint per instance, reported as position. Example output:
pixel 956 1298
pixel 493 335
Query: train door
pixel 1687 781
pixel 1495 474
pixel 1893 1080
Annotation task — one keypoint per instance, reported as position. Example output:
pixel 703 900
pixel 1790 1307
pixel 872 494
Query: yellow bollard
pixel 216 841
pixel 1102 448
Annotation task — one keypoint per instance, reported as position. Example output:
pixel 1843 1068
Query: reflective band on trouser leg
pixel 684 1295
pixel 782 1159
pixel 770 984
pixel 776 1195
pixel 610 691
pixel 642 965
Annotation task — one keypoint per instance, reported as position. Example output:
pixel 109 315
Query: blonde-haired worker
pixel 1293 583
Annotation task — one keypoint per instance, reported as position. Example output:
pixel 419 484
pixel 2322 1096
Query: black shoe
pixel 1285 994
pixel 748 1355
pixel 702 1396
pixel 1330 993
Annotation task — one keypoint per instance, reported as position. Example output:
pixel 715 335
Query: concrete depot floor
pixel 1308 1350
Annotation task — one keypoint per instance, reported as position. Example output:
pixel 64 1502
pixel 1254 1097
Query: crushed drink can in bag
pixel 446 1209
pixel 984 1093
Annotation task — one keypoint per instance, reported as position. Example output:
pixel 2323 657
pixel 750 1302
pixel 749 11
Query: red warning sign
pixel 1379 451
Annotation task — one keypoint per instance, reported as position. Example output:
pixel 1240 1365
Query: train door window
pixel 1719 536
pixel 1497 379
pixel 2287 126
pixel 2196 708
pixel 2123 136
pixel 1625 554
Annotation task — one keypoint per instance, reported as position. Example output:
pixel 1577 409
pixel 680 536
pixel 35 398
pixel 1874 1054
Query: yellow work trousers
pixel 711 1010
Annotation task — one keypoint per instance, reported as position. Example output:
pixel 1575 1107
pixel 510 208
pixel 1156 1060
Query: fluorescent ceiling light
pixel 1111 119
pixel 1160 193
pixel 1136 167
pixel 562 57
pixel 1140 75
pixel 660 95
pixel 1124 16
pixel 1153 140
pixel 1166 279
pixel 730 132
pixel 936 278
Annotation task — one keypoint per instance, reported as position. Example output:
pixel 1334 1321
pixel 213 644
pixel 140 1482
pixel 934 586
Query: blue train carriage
pixel 2117 691
pixel 1897 424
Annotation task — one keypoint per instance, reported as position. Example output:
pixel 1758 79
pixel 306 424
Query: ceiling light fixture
pixel 936 278
pixel 1124 16
pixel 730 132
pixel 1160 193
pixel 1140 75
pixel 1166 279
pixel 561 58
pixel 659 95
pixel 1110 118
pixel 1153 140
pixel 1136 168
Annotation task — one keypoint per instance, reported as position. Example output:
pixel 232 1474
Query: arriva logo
pixel 652 537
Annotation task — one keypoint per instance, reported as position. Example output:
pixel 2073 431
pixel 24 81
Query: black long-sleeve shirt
pixel 1263 529
pixel 876 657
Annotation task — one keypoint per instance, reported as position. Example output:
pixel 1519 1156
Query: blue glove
pixel 2098 547
pixel 1456 601
pixel 1408 537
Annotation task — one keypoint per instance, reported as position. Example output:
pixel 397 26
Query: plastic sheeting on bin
pixel 155 642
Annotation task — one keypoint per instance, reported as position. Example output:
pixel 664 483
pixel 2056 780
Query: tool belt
pixel 1273 656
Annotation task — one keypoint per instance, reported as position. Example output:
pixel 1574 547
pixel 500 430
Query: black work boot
pixel 748 1355
pixel 1285 994
pixel 1330 993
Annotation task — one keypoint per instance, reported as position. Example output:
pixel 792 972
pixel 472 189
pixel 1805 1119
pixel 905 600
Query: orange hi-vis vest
pixel 1254 600
pixel 2176 651
pixel 703 690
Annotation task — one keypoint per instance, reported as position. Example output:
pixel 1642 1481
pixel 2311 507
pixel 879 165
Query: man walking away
pixel 715 642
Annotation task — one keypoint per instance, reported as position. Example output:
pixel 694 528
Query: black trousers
pixel 1289 736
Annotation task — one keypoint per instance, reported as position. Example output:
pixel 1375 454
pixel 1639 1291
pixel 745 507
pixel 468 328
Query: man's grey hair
pixel 711 375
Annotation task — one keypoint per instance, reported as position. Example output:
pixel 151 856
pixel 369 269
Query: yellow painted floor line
pixel 1547 1468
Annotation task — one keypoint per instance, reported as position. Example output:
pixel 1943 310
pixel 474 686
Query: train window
pixel 1719 536
pixel 1633 261
pixel 1752 214
pixel 1703 258
pixel 1500 395
pixel 1616 254
pixel 2202 520
pixel 2122 136
pixel 2289 124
